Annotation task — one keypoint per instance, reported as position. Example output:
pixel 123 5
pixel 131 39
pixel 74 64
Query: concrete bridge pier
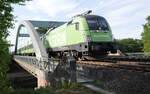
pixel 43 79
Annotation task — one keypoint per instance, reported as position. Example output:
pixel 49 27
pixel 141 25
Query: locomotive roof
pixel 88 16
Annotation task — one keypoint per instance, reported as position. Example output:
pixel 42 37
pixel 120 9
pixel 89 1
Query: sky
pixel 125 17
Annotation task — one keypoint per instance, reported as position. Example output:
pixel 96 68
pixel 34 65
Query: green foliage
pixel 146 35
pixel 100 84
pixel 6 22
pixel 74 85
pixel 42 30
pixel 65 85
pixel 130 45
pixel 73 88
pixel 4 63
pixel 32 91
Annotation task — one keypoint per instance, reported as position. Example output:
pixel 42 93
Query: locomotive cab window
pixel 97 23
pixel 77 26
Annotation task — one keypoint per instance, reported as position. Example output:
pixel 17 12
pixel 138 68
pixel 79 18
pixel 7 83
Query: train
pixel 84 35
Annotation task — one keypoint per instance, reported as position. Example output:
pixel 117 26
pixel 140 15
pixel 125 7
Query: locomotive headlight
pixel 89 38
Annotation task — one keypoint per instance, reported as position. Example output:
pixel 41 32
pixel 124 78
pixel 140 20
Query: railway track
pixel 130 64
pixel 128 58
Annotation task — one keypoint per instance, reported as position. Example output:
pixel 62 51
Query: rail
pixel 138 66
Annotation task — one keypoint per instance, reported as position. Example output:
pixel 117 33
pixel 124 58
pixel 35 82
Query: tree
pixel 146 35
pixel 42 30
pixel 6 22
pixel 130 45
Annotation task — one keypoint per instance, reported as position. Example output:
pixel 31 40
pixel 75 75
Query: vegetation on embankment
pixel 74 88
pixel 146 35
pixel 130 45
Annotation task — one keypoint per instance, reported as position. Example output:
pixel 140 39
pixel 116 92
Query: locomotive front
pixel 99 36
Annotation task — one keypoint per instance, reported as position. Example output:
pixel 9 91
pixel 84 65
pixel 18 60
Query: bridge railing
pixel 49 66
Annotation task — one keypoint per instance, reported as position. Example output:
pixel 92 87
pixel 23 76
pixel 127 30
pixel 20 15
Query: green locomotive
pixel 84 35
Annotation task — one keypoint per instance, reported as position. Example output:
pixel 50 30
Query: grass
pixel 73 88
pixel 100 84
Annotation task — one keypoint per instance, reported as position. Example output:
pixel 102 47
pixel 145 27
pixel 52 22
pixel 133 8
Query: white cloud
pixel 123 15
pixel 124 10
pixel 121 33
pixel 51 7
pixel 105 4
pixel 76 12
pixel 33 17
pixel 111 4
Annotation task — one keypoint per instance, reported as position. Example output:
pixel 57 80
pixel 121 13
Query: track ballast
pixel 129 63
